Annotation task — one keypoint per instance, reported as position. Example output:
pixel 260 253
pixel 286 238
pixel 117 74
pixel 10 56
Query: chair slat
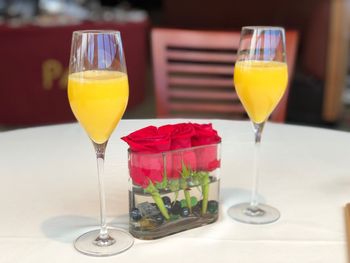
pixel 213 95
pixel 207 107
pixel 202 56
pixel 196 68
pixel 196 81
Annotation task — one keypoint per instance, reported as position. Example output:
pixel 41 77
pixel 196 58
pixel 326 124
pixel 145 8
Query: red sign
pixel 34 68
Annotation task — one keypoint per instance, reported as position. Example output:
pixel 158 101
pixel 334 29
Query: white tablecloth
pixel 48 196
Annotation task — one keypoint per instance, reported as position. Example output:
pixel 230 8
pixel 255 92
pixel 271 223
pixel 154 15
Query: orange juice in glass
pixel 260 85
pixel 98 99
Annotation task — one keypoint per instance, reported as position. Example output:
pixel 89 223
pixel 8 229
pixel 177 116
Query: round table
pixel 49 196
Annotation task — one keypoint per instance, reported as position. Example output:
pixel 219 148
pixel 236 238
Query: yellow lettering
pixel 51 70
pixel 64 79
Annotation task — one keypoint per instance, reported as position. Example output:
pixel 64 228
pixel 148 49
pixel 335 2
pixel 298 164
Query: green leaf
pixel 174 185
pixel 185 172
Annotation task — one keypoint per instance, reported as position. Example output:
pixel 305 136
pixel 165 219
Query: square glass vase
pixel 173 191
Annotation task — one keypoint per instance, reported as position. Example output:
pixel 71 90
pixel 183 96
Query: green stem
pixel 183 185
pixel 188 199
pixel 186 173
pixel 205 193
pixel 157 199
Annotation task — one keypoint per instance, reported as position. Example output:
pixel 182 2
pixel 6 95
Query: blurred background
pixel 35 40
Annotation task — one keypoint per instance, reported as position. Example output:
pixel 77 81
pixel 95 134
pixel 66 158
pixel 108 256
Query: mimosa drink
pixel 98 99
pixel 98 93
pixel 260 79
pixel 260 86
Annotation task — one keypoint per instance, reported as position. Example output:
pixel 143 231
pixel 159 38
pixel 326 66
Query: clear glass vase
pixel 173 191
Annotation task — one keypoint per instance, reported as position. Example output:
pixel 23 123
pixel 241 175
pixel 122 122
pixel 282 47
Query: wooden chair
pixel 193 73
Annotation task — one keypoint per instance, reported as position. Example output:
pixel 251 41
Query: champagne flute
pixel 98 94
pixel 260 79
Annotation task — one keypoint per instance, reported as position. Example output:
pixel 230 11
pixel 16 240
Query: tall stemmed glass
pixel 260 79
pixel 98 93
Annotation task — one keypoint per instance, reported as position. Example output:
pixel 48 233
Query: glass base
pixel 261 214
pixel 117 242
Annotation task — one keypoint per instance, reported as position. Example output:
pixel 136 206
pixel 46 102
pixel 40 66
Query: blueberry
pixel 168 207
pixel 213 206
pixel 135 214
pixel 185 212
pixel 197 209
pixel 176 207
pixel 166 200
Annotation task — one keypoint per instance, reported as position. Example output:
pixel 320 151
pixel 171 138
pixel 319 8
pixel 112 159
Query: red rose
pixel 181 135
pixel 207 156
pixel 146 163
pixel 146 167
pixel 205 134
pixel 148 140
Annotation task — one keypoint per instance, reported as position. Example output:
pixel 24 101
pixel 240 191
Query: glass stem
pixel 258 128
pixel 103 239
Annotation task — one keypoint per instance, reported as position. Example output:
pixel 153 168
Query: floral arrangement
pixel 158 162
